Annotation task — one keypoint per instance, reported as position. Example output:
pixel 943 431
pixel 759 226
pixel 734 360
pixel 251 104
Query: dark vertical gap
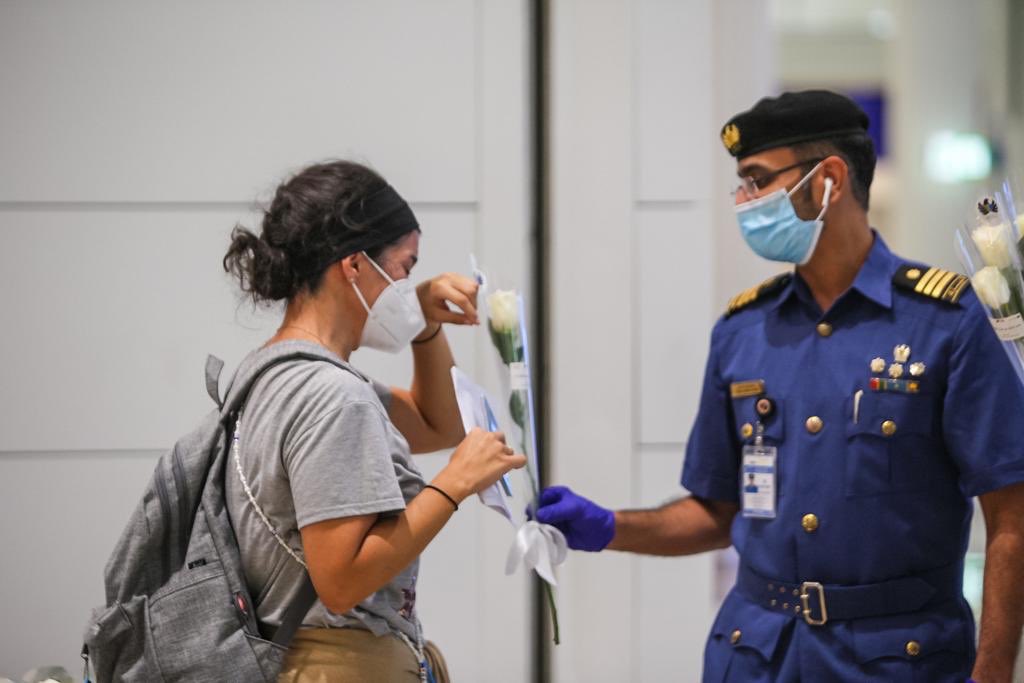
pixel 539 62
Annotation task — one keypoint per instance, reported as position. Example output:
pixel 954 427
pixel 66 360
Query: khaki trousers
pixel 349 655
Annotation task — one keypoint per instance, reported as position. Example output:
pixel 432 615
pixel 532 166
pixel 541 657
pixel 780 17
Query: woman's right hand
pixel 477 463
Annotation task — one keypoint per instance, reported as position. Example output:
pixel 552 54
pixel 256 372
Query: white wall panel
pixel 116 311
pixel 208 101
pixel 121 308
pixel 674 267
pixel 674 605
pixel 60 515
pixel 503 605
pixel 591 305
pixel 673 130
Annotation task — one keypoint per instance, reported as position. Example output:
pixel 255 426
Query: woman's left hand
pixel 449 288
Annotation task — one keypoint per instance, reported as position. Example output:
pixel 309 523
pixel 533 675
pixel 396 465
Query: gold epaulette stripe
pixel 956 288
pixel 935 283
pixel 749 296
pixel 940 284
pixel 924 281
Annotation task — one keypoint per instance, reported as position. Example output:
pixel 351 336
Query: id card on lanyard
pixel 758 483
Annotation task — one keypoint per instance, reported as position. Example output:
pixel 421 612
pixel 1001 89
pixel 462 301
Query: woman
pixel 323 478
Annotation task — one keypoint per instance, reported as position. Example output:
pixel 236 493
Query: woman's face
pixel 397 261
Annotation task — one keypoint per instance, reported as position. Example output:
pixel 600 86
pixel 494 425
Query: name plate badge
pixel 751 387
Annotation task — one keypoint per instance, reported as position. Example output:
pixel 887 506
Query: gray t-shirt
pixel 315 444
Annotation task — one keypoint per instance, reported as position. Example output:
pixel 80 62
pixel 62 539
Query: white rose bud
pixel 504 309
pixel 993 244
pixel 991 287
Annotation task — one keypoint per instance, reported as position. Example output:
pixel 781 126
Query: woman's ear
pixel 349 267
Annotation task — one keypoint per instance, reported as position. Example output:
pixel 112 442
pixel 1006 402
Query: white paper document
pixel 476 411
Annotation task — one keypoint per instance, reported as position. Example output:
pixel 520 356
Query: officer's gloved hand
pixel 585 524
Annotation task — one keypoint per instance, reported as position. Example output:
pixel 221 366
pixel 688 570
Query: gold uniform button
pixel 747 430
pixel 824 329
pixel 814 424
pixel 888 427
pixel 735 637
pixel 913 648
pixel 810 523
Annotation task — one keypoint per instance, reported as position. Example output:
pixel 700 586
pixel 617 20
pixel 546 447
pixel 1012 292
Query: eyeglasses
pixel 751 186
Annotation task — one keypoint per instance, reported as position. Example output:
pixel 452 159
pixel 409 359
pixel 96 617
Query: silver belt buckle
pixel 805 599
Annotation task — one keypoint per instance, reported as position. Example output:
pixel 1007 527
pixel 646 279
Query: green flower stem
pixel 549 593
pixel 551 606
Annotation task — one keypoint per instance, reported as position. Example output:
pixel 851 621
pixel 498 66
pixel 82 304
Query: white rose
pixel 504 310
pixel 993 244
pixel 991 287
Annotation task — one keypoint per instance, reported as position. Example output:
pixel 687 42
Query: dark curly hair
pixel 307 217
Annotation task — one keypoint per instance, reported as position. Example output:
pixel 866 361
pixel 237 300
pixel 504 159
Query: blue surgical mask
pixel 772 229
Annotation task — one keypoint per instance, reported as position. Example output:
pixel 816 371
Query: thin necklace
pixel 314 335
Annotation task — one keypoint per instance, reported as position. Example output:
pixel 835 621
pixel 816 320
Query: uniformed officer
pixel 850 411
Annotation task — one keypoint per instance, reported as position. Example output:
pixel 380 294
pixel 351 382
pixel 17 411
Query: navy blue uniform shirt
pixel 886 477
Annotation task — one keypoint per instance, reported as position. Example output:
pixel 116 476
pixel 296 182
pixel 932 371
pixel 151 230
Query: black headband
pixel 387 216
pixel 380 218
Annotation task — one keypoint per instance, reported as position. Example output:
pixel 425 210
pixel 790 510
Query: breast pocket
pixel 890 437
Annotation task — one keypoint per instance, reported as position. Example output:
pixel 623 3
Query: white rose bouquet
pixel 537 546
pixel 990 251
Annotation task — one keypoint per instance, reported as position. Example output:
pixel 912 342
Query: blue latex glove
pixel 585 524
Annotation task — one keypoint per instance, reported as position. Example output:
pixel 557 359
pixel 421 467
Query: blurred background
pixel 572 145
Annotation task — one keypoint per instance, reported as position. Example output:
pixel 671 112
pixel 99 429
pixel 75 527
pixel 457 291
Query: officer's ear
pixel 835 169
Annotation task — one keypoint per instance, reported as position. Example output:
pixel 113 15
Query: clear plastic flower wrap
pixel 539 547
pixel 991 250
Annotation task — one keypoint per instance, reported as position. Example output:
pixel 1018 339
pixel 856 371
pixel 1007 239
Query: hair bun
pixel 263 270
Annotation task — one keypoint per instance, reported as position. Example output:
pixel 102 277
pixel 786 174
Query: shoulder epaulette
pixel 935 283
pixel 749 296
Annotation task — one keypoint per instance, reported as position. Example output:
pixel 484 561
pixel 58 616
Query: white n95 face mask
pixel 395 318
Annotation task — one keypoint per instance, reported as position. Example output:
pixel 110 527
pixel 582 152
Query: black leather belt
pixel 818 603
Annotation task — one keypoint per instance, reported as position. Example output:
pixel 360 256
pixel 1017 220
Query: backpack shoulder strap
pixel 292 618
pixel 237 393
pixel 268 358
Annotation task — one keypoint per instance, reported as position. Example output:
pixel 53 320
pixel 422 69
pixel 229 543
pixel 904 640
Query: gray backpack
pixel 178 607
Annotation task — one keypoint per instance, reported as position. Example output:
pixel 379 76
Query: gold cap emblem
pixel 731 138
